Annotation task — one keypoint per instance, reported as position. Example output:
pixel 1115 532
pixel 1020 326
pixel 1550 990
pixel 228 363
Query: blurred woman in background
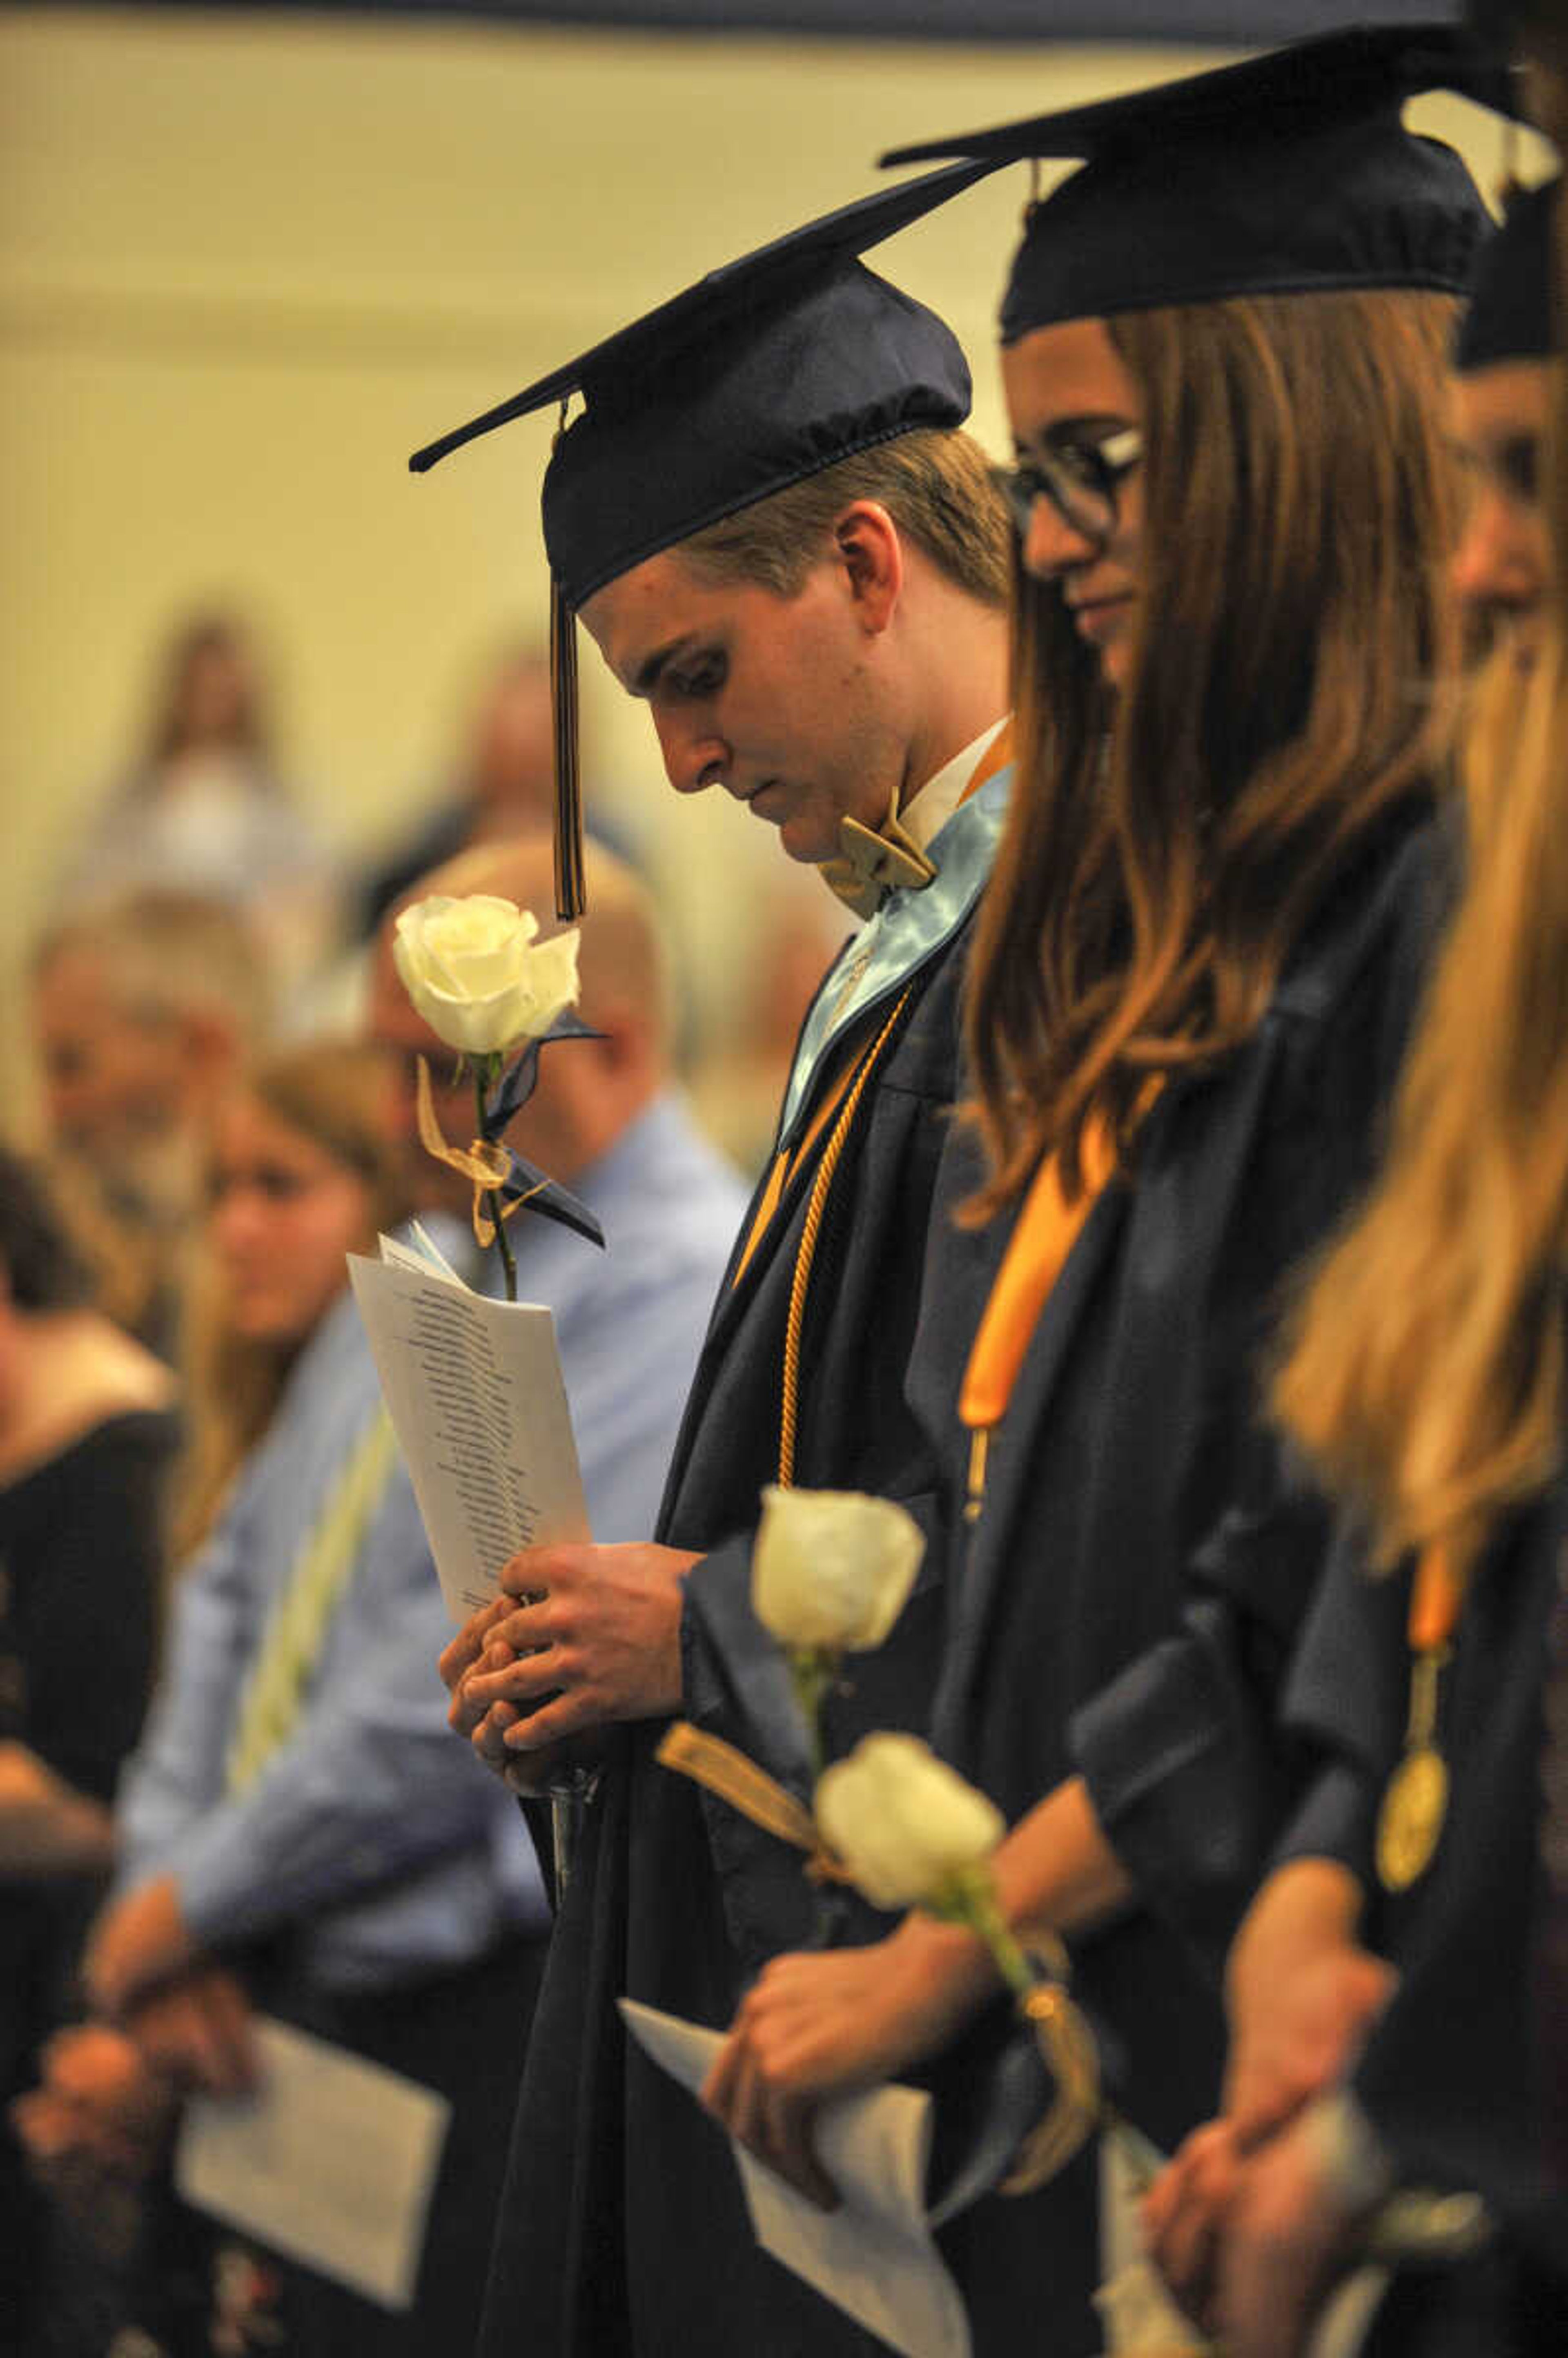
pixel 202 809
pixel 87 1435
pixel 297 1830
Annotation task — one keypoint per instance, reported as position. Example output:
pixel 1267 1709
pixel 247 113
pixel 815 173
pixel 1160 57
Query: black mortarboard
pixel 1509 318
pixel 1287 174
pixel 762 374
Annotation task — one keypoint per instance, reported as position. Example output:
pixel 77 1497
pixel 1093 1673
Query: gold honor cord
pixel 832 1153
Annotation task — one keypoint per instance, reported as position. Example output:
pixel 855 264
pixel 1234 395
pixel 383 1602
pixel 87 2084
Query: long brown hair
pixel 1165 847
pixel 333 1093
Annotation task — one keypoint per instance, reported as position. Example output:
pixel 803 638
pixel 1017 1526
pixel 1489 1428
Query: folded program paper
pixel 873 2256
pixel 474 1391
pixel 331 2163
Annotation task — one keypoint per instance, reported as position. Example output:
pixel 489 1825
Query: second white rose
pixel 474 971
pixel 905 1826
pixel 831 1569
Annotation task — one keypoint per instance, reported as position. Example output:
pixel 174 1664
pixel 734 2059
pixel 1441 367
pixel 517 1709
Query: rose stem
pixel 492 1195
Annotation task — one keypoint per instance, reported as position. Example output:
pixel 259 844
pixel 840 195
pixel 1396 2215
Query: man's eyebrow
pixel 647 677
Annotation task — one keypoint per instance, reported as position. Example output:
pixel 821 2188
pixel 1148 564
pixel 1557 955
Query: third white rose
pixel 902 1824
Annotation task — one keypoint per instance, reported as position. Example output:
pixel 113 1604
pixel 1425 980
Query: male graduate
pixel 769 523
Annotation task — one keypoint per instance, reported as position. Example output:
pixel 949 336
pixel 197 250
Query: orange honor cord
pixel 1435 1595
pixel 1415 1799
pixel 1048 1227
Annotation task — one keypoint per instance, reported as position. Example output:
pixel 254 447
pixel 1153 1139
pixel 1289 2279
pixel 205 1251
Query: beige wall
pixel 247 265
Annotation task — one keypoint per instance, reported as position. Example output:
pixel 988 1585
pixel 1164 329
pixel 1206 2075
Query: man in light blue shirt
pixel 372 1881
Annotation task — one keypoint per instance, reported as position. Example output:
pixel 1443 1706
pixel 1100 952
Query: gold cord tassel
pixel 570 890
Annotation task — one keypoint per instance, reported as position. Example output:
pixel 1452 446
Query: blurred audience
pixel 295 1832
pixel 202 807
pixel 737 1087
pixel 355 1871
pixel 143 1009
pixel 606 1121
pixel 87 1433
pixel 503 785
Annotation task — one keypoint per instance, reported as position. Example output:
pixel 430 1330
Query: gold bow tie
pixel 872 860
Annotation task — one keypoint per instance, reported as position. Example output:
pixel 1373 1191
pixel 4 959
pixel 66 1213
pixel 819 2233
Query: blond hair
pixel 333 1093
pixel 1423 1371
pixel 937 485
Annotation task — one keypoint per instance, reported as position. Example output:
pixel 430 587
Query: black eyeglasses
pixel 1081 480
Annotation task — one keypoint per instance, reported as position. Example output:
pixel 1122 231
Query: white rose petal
pixel 831 1569
pixel 474 972
pixel 902 1821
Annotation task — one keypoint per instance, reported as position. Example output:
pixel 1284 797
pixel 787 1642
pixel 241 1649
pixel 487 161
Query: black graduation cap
pixel 1511 313
pixel 1287 174
pixel 762 374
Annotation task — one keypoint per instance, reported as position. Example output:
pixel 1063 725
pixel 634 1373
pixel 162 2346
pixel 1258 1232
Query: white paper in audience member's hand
pixel 873 2256
pixel 474 1391
pixel 331 2164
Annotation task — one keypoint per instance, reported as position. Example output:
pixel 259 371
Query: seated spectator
pixel 143 1010
pixel 503 785
pixel 737 1087
pixel 202 807
pixel 606 1121
pixel 87 1431
pixel 403 1918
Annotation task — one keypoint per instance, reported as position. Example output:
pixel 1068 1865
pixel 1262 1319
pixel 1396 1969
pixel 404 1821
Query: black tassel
pixel 571 894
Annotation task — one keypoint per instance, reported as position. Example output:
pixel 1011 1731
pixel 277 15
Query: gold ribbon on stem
pixel 484 1162
pixel 719 1768
pixel 1067 2045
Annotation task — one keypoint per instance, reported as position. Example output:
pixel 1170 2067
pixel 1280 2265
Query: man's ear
pixel 872 556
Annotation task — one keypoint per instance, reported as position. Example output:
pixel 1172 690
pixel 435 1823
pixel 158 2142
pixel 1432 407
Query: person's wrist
pixel 949 1967
pixel 1311 1908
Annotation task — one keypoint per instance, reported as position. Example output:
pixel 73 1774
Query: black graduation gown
pixel 623 2228
pixel 1130 1592
pixel 1451 2076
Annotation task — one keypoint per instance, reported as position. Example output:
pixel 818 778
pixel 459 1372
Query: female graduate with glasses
pixel 1223 346
pixel 1399 1988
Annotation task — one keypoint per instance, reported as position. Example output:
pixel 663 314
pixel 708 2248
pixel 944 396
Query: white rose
pixel 902 1824
pixel 473 971
pixel 831 1569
